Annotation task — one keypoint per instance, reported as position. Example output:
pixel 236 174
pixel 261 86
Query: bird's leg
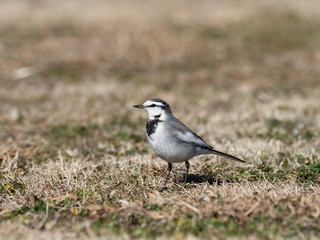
pixel 185 177
pixel 169 171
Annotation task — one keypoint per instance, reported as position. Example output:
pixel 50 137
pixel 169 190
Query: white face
pixel 154 110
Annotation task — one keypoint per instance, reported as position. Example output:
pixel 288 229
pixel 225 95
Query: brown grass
pixel 75 162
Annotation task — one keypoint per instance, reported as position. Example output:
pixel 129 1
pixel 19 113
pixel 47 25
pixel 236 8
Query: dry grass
pixel 74 158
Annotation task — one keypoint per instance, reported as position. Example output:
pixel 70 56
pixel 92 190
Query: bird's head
pixel 156 108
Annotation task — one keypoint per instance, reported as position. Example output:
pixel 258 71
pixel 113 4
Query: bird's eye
pixel 152 105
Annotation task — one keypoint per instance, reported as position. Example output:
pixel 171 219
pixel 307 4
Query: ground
pixel 75 162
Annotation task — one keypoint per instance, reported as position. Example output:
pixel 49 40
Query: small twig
pixel 13 163
pixel 252 208
pixel 191 207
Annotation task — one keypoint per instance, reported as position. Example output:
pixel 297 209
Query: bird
pixel 172 140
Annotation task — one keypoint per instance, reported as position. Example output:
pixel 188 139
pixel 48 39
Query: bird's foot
pixel 163 189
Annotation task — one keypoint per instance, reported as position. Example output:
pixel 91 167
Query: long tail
pixel 226 155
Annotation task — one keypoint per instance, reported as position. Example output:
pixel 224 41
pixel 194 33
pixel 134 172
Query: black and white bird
pixel 171 140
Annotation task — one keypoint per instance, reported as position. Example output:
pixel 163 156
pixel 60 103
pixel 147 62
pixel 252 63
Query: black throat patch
pixel 151 126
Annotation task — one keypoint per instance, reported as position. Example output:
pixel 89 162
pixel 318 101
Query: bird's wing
pixel 185 135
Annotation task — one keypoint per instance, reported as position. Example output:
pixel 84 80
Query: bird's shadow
pixel 201 178
pixel 194 179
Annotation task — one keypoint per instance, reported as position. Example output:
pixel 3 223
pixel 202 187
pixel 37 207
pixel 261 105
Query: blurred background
pixel 75 162
pixel 236 72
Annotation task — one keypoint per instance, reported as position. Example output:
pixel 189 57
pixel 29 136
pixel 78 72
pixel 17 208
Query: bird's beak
pixel 138 106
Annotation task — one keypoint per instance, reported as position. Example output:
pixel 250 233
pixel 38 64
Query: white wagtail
pixel 171 140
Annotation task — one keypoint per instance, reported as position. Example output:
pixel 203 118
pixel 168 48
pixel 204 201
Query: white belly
pixel 169 150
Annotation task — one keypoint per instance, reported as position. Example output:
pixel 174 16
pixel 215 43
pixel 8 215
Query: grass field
pixel 74 158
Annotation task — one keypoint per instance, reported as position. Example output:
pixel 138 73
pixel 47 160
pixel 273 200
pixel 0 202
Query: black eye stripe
pixel 155 105
pixel 162 104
